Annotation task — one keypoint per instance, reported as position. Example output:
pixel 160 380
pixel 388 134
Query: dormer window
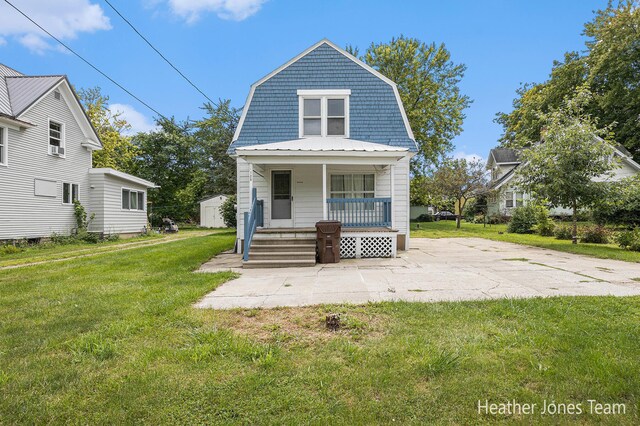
pixel 324 113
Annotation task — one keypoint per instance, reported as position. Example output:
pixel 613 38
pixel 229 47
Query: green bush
pixel 228 211
pixel 425 217
pixel 544 224
pixel 497 219
pixel 595 234
pixel 523 219
pixel 563 232
pixel 9 249
pixel 61 239
pixel 479 218
pixel 629 240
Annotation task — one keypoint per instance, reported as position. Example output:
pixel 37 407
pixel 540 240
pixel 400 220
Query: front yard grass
pixel 447 229
pixel 50 251
pixel 114 339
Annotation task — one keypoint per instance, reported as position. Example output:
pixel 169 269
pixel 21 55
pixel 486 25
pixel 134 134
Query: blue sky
pixel 225 45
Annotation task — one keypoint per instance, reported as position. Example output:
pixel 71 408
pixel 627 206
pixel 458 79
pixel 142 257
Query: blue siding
pixel 374 113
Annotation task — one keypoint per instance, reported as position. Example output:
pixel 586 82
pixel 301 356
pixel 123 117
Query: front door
pixel 281 199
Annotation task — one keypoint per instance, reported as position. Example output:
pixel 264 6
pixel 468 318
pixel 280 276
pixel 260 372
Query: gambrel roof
pixel 377 115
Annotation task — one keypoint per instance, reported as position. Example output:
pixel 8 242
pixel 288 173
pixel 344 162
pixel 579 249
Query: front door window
pixel 281 194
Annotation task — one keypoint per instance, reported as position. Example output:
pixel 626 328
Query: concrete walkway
pixel 433 270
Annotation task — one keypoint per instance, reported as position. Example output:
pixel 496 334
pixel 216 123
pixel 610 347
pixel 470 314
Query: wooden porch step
pixel 282 255
pixel 278 263
pixel 282 241
pixel 295 248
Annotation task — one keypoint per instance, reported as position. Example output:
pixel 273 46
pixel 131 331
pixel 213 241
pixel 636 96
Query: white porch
pixel 299 183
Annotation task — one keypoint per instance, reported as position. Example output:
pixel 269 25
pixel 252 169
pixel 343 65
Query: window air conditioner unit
pixel 57 150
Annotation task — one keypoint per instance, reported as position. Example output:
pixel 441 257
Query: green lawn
pixel 48 251
pixel 113 339
pixel 447 229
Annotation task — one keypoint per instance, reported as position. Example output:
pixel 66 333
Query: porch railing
pixel 252 219
pixel 359 212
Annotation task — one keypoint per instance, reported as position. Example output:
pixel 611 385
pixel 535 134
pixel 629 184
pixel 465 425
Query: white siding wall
pixel 110 217
pixel 22 214
pixel 307 190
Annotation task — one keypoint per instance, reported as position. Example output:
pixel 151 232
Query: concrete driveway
pixel 433 270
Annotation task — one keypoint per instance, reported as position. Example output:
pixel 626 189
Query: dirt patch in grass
pixel 303 325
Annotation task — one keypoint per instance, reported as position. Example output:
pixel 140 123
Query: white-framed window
pixel 353 185
pixel 324 113
pixel 56 138
pixel 4 146
pixel 513 199
pixel 70 192
pixel 133 199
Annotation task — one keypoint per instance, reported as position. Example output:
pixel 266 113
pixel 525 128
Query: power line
pixel 84 60
pixel 158 52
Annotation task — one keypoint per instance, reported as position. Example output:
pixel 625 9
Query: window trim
pixel 137 191
pixel 324 95
pixel 4 146
pixel 63 139
pixel 72 187
pixel 352 191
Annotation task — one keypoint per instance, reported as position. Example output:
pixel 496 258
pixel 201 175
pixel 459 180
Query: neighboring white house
pixel 503 164
pixel 46 144
pixel 210 214
pixel 324 136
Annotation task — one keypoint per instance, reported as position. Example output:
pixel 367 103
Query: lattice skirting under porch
pixel 367 244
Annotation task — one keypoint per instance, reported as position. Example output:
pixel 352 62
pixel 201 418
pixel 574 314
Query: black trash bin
pixel 328 241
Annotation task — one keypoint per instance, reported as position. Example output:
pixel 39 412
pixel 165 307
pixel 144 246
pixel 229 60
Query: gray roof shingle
pixel 18 91
pixel 505 155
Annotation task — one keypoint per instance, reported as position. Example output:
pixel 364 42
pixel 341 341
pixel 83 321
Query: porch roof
pixel 319 145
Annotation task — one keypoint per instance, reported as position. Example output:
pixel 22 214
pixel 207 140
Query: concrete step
pixel 282 241
pixel 282 255
pixel 296 248
pixel 277 263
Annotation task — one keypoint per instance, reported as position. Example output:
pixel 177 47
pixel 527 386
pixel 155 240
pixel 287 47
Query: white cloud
pixel 468 157
pixel 138 121
pixel 65 19
pixel 235 10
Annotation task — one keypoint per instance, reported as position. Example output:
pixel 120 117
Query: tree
pixel 563 167
pixel 228 211
pixel 215 133
pixel 621 205
pixel 117 150
pixel 428 82
pixel 614 58
pixel 458 180
pixel 171 157
pixel 523 125
pixel 610 70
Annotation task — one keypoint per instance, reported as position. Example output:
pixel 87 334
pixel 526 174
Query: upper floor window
pixel 56 138
pixel 4 151
pixel 324 113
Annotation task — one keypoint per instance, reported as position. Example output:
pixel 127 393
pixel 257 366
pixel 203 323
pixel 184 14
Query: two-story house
pixel 46 145
pixel 505 195
pixel 323 137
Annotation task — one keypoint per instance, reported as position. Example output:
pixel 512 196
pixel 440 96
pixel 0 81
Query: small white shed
pixel 210 214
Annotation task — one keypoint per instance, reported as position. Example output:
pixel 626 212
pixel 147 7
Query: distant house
pixel 505 196
pixel 210 214
pixel 324 136
pixel 46 144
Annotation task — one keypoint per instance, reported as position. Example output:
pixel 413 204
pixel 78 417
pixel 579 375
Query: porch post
pixel 392 171
pixel 250 183
pixel 325 213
